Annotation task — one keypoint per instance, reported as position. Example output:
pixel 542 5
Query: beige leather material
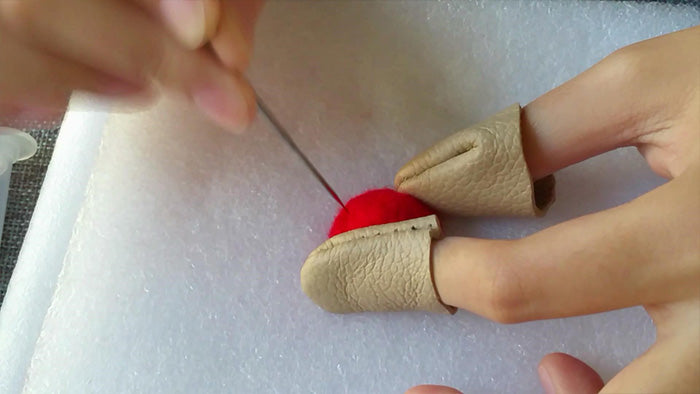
pixel 478 171
pixel 378 268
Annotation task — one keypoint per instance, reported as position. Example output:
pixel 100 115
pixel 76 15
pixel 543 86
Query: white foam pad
pixel 180 273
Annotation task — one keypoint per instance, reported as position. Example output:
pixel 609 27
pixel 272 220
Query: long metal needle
pixel 288 139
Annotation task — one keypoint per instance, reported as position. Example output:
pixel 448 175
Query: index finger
pixel 612 104
pixel 192 22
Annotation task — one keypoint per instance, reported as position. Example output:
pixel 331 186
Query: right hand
pixel 645 252
pixel 124 47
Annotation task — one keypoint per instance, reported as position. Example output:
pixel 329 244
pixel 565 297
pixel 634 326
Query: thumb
pixel 561 373
pixel 192 22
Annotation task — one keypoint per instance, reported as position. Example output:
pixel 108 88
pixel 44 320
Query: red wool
pixel 375 207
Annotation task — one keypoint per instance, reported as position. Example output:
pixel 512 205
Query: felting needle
pixel 265 110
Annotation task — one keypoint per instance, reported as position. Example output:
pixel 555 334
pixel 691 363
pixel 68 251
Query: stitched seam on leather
pixel 329 246
pixel 463 150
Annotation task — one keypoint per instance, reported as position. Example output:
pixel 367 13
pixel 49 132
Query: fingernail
pixel 227 107
pixel 233 49
pixel 187 20
pixel 546 381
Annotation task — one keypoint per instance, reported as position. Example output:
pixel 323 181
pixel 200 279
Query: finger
pixel 233 41
pixel 612 104
pixel 560 374
pixel 643 252
pixel 229 25
pixel 584 117
pixel 432 389
pixel 139 54
pixel 192 22
pixel 671 365
pixel 38 83
pixel 59 27
pixel 20 117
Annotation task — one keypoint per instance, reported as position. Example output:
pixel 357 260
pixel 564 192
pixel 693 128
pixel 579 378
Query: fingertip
pixel 232 49
pixel 220 107
pixel 187 20
pixel 432 389
pixel 221 94
pixel 545 380
pixel 249 97
pixel 230 103
pixel 562 373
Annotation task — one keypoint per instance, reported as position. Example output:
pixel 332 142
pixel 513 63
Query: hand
pixel 645 252
pixel 124 47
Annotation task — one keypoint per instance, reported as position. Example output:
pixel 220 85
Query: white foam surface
pixel 181 271
pixel 34 278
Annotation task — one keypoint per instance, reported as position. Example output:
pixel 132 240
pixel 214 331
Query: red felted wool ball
pixel 375 207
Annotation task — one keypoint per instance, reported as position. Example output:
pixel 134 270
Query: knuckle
pixel 623 65
pixel 507 301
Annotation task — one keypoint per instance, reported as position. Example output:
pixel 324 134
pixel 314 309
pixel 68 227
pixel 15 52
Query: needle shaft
pixel 290 142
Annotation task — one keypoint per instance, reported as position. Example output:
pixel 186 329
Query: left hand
pixel 645 252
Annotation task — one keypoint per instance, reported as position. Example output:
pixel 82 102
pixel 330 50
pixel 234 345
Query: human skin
pixel 645 252
pixel 125 47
